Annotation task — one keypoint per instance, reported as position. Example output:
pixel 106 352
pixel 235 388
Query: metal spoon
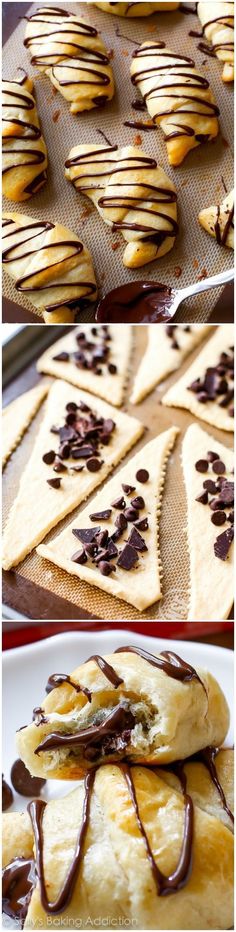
pixel 152 302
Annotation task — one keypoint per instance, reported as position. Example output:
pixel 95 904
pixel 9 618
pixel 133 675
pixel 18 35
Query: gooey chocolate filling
pixel 106 737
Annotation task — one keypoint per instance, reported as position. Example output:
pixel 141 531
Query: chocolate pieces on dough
pixel 17 416
pixel 93 358
pixel 207 467
pixel 167 347
pixel 120 554
pixel 61 453
pixel 206 388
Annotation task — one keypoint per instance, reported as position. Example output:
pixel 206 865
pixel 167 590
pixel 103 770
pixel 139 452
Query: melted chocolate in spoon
pixel 137 302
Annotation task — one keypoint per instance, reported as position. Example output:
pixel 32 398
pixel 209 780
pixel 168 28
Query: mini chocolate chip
pixel 71 406
pixel 203 498
pixel 194 387
pixel 64 450
pixel 128 489
pixel 106 568
pixel 108 425
pixel 112 369
pixel 218 518
pixel 131 514
pixel 79 557
pixel 219 467
pixel 142 524
pixel 61 357
pixel 49 457
pixel 58 465
pixel 82 452
pixel 54 483
pixel 201 465
pixel 138 502
pixel 211 456
pixel 210 486
pixel 86 535
pixel 127 558
pixel 93 465
pixel 202 397
pixel 121 522
pixel 23 782
pixel 142 475
pixel 101 515
pixel 222 544
pixel 102 538
pixel 136 540
pixel 7 795
pixel 119 503
pixel 231 517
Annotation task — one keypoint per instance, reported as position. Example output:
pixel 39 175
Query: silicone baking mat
pixel 200 180
pixel 173 542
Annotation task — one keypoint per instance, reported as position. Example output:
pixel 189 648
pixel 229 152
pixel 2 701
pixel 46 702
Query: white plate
pixel 26 671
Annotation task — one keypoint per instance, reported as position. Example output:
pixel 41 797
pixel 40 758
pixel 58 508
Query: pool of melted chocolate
pixel 138 302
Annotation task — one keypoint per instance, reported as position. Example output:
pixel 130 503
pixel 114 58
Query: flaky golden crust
pixel 202 788
pixel 130 10
pixel 24 153
pixel 172 719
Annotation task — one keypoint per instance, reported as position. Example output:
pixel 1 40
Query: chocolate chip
pixel 83 407
pixel 202 397
pixel 54 483
pixel 23 782
pixel 86 535
pixel 108 425
pixel 231 517
pixel 142 475
pixel 211 456
pixel 49 457
pixel 215 504
pixel 106 568
pixel 82 452
pixel 93 465
pixel 218 518
pixel 203 498
pixel 54 429
pixel 226 495
pixel 222 544
pixel 101 515
pixel 136 540
pixel 58 465
pixel 61 357
pixel 112 369
pixel 121 522
pixel 67 433
pixel 79 557
pixel 201 465
pixel 210 486
pixel 138 502
pixel 71 406
pixel 7 795
pixel 102 538
pixel 128 489
pixel 64 450
pixel 142 524
pixel 127 558
pixel 91 549
pixel 194 387
pixel 219 467
pixel 119 503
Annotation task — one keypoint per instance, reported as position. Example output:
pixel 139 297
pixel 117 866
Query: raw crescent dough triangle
pixel 140 586
pixel 107 386
pixel 37 507
pixel 161 357
pixel 17 416
pixel 179 395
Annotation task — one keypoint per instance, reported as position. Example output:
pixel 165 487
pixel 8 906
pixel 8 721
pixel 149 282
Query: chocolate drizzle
pixel 222 235
pixel 119 722
pixel 171 664
pixel 207 756
pixel 56 679
pixel 18 882
pixel 17 133
pixel 226 21
pixel 107 669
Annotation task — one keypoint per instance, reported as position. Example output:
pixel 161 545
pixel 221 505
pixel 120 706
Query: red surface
pixel 17 634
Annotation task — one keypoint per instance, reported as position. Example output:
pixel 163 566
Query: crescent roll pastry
pixel 17 416
pixel 217 22
pixel 136 9
pixel 168 863
pixel 78 434
pixel 167 347
pixel 131 193
pixel 119 532
pixel 130 705
pixel 209 781
pixel 177 96
pixel 219 221
pixel 24 153
pixel 49 264
pixel 73 56
pixel 207 387
pixel 208 476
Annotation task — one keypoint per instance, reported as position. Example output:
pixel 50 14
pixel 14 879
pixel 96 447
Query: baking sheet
pixel 173 542
pixel 198 180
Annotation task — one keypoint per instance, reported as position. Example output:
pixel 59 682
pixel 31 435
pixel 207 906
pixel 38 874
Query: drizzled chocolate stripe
pixel 23 235
pixel 159 90
pixel 115 723
pixel 172 665
pixel 72 27
pixel 228 21
pixel 107 669
pixel 21 153
pixel 207 757
pixel 57 679
pixel 222 235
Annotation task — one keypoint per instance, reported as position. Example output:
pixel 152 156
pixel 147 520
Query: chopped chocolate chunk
pixel 93 464
pixel 54 483
pixel 7 795
pixel 91 549
pixel 222 544
pixel 61 357
pixel 142 524
pixel 138 502
pixel 226 495
pixel 82 452
pixel 117 534
pixel 49 457
pixel 211 456
pixel 23 782
pixel 195 386
pixel 128 489
pixel 86 535
pixel 101 515
pixel 106 568
pixel 201 465
pixel 142 475
pixel 127 558
pixel 79 557
pixel 112 550
pixel 131 514
pixel 119 503
pixel 136 540
pixel 102 538
pixel 121 522
pixel 218 518
pixel 203 498
pixel 54 429
pixel 67 433
pixel 219 467
pixel 210 486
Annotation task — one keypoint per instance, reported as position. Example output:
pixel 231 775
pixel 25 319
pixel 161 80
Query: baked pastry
pixel 219 221
pixel 209 781
pixel 136 9
pixel 24 153
pixel 134 196
pixel 94 358
pixel 73 55
pixel 119 530
pixel 49 264
pixel 129 705
pixel 178 98
pixel 218 28
pixel 210 498
pixel 167 347
pixel 206 388
pixel 126 843
pixel 17 416
pixel 91 443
